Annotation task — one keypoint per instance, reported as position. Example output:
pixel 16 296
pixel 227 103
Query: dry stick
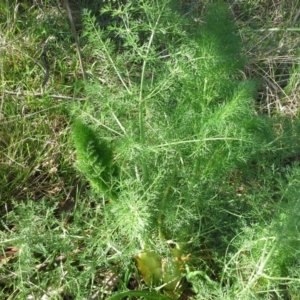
pixel 295 18
pixel 75 36
pixel 26 94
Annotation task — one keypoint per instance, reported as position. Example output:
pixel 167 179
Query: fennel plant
pixel 159 139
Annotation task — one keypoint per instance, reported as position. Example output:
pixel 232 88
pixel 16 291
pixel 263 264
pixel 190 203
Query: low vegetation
pixel 159 159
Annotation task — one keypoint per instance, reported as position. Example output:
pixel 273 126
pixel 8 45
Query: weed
pixel 194 119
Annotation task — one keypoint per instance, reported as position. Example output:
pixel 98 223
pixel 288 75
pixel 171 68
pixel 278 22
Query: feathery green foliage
pixel 187 122
pixel 95 158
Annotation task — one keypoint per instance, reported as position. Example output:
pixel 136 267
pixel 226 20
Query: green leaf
pixel 149 265
pixel 146 294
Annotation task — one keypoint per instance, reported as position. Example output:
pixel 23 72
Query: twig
pixel 75 36
pixel 46 65
pixel 295 18
pixel 26 94
pixel 278 29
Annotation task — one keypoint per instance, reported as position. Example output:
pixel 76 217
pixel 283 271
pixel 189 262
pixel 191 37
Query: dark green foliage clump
pixel 213 74
pixel 94 157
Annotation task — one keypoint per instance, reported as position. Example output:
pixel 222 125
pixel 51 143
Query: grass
pixel 58 240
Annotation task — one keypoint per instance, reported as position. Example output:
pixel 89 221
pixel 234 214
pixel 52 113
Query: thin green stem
pixel 111 61
pixel 199 141
pixel 142 104
pixel 259 273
